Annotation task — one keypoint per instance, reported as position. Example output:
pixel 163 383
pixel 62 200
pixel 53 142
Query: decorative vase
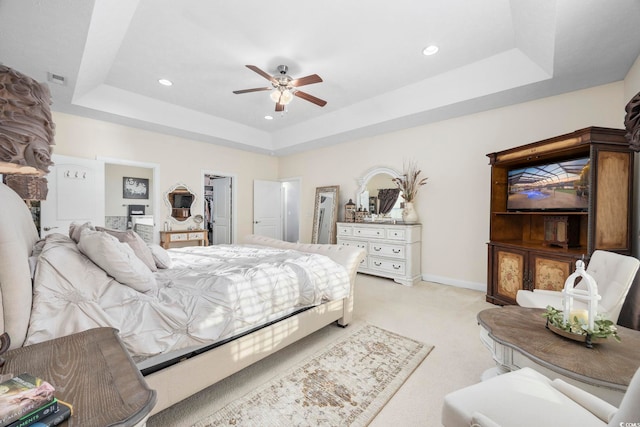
pixel 409 214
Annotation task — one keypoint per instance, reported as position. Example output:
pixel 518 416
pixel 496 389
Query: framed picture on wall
pixel 135 188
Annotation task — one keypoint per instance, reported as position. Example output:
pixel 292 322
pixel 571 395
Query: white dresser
pixel 393 250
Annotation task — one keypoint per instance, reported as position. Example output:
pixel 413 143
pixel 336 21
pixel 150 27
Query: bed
pixel 186 360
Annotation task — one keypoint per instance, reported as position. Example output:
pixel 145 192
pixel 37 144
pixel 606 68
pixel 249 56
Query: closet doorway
pixel 218 207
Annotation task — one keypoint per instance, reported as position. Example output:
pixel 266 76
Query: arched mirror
pixel 325 215
pixel 179 200
pixel 378 194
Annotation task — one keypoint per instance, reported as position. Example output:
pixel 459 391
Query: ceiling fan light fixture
pixel 165 82
pixel 281 96
pixel 286 97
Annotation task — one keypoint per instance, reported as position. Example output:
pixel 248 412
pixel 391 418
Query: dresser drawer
pixel 182 237
pixel 369 232
pixel 391 266
pixel 344 230
pixel 199 235
pixel 396 234
pixel 355 243
pixel 387 250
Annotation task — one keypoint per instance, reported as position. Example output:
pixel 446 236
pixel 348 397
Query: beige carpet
pixel 443 316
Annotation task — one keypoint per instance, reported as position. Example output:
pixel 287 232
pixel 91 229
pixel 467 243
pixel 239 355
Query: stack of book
pixel 26 400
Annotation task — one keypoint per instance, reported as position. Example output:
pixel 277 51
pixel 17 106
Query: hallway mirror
pixel 325 215
pixel 179 200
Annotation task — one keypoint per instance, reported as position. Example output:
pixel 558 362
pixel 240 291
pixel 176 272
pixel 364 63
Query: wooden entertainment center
pixel 537 249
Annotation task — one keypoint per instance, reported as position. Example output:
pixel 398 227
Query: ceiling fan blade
pixel 310 98
pixel 262 73
pixel 313 78
pixel 279 107
pixel 257 89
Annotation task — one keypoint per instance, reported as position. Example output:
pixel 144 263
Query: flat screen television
pixel 555 186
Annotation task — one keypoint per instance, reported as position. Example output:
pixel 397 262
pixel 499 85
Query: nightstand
pixel 92 371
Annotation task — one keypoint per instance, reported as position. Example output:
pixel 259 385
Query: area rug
pixel 346 384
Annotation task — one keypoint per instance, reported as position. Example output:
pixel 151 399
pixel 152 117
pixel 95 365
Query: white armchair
pixel 527 398
pixel 613 273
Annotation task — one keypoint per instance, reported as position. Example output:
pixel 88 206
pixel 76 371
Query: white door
pixel 221 211
pixel 267 208
pixel 76 193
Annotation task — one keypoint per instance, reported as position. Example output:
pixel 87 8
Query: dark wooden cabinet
pixel 514 268
pixel 525 251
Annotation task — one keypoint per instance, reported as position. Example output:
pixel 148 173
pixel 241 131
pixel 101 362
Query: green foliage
pixel 602 328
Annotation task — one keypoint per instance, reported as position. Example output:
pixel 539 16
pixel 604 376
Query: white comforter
pixel 210 293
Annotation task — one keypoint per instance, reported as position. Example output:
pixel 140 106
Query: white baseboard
pixel 482 287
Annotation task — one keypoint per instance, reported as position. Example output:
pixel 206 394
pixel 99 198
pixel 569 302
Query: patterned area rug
pixel 344 385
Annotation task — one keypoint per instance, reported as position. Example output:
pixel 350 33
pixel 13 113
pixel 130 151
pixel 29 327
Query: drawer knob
pixel 377 249
pixel 396 251
pixel 377 264
pixel 397 267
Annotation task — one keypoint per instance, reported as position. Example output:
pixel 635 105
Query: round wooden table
pixel 517 337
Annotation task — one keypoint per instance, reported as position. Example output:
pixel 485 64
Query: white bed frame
pixel 183 379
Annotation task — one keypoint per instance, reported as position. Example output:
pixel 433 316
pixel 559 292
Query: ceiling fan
pixel 284 87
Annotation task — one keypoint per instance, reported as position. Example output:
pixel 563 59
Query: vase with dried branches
pixel 409 183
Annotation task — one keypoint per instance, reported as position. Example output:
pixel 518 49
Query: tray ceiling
pixel 111 54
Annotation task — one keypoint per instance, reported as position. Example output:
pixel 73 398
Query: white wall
pixel 454 204
pixel 180 160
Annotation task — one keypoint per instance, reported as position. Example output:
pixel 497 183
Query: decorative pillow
pixel 75 229
pixel 138 245
pixel 160 256
pixel 117 259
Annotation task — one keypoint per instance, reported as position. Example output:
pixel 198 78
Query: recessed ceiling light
pixel 268 117
pixel 165 82
pixel 430 50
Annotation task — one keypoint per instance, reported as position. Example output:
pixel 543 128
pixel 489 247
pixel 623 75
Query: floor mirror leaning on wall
pixel 325 214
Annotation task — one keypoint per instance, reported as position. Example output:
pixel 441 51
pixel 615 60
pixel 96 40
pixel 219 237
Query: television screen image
pixel 557 186
pixel 182 201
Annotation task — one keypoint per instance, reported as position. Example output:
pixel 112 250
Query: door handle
pixel 255 222
pixel 48 228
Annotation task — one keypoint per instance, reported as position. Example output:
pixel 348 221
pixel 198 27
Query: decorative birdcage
pixel 587 294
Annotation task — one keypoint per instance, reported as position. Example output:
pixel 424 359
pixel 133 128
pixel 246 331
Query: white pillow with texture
pixel 75 229
pixel 160 256
pixel 117 259
pixel 136 243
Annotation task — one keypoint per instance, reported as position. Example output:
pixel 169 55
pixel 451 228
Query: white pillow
pixel 160 256
pixel 117 259
pixel 136 243
pixel 75 229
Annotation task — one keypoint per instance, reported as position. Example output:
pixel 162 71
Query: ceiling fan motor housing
pixel 283 79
